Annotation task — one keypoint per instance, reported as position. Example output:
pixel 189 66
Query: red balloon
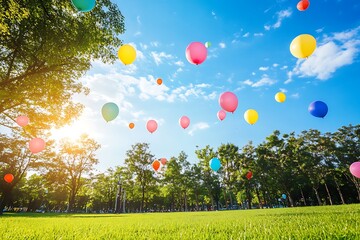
pixel 22 121
pixel 151 126
pixel 228 101
pixel 303 5
pixel 8 178
pixel 249 175
pixel 184 122
pixel 156 165
pixel 196 53
pixel 36 145
pixel 221 115
pixel 163 161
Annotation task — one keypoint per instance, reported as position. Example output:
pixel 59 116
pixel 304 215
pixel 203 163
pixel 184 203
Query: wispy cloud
pixel 280 16
pixel 246 35
pixel 283 90
pixel 138 20
pixel 295 95
pixel 263 68
pixel 155 44
pixel 160 56
pixel 198 126
pixel 275 65
pixel 179 63
pixel 264 81
pixel 334 52
pixel 319 30
pixel 138 33
pixel 258 34
pixel 214 15
pixel 222 45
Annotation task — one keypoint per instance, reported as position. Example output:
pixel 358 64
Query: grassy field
pixel 328 222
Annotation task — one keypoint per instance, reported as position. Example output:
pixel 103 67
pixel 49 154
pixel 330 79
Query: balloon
pixel 8 177
pixel 156 165
pixel 84 5
pixel 151 126
pixel 303 46
pixel 251 116
pixel 127 54
pixel 355 169
pixel 159 81
pixel 208 44
pixel 221 115
pixel 249 175
pixel 22 121
pixel 36 145
pixel 283 196
pixel 228 101
pixel 131 125
pixel 280 97
pixel 163 161
pixel 110 111
pixel 303 5
pixel 318 109
pixel 215 164
pixel 184 122
pixel 196 53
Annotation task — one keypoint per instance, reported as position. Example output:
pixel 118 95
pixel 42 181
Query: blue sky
pixel 249 56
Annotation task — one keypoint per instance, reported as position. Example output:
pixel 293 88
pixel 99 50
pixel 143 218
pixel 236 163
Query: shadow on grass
pixel 57 215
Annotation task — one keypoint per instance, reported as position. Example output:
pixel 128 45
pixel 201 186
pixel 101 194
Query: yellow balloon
pixel 251 116
pixel 280 97
pixel 303 46
pixel 127 54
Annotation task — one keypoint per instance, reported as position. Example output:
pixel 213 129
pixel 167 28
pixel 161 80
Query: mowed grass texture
pixel 328 222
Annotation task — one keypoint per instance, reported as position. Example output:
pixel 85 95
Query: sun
pixel 71 132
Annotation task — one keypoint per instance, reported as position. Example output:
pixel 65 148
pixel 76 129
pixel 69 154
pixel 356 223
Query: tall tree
pixel 75 159
pixel 138 161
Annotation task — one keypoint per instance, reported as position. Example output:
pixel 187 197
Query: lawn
pixel 326 222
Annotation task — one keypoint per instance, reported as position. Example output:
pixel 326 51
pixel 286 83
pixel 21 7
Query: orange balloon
pixel 159 81
pixel 156 165
pixel 303 5
pixel 163 161
pixel 131 125
pixel 8 178
pixel 249 175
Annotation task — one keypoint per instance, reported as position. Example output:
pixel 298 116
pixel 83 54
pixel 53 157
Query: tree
pixel 45 47
pixel 75 159
pixel 138 161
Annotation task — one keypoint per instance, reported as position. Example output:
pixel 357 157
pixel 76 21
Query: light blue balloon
pixel 110 111
pixel 84 5
pixel 215 164
pixel 283 196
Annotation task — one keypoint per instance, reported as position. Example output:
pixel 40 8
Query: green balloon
pixel 208 44
pixel 110 111
pixel 84 5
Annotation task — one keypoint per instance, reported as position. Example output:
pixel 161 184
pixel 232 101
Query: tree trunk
pixel 302 195
pixel 71 203
pixel 230 196
pixel 197 201
pixel 249 199
pixel 226 205
pixel 264 196
pixel 185 202
pixel 317 196
pixel 339 191
pixel 290 199
pixel 328 192
pixel 142 199
pixel 5 196
pixel 258 196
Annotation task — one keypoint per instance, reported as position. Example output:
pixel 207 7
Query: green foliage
pixel 335 222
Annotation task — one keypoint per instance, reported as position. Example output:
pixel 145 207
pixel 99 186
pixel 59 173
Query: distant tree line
pixel 310 168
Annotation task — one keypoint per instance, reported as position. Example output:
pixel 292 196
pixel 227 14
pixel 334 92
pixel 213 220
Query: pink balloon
pixel 151 126
pixel 163 161
pixel 184 122
pixel 355 169
pixel 196 53
pixel 221 115
pixel 36 145
pixel 22 121
pixel 228 101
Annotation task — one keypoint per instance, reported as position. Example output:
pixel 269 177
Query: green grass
pixel 328 222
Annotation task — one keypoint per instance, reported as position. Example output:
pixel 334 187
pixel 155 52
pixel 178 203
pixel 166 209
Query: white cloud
pixel 155 44
pixel 264 81
pixel 143 46
pixel 160 56
pixel 246 35
pixel 138 33
pixel 275 65
pixel 258 34
pixel 214 15
pixel 138 20
pixel 295 95
pixel 289 75
pixel 248 82
pixel 211 96
pixel 284 67
pixel 198 126
pixel 263 68
pixel 253 73
pixel 222 45
pixel 334 52
pixel 319 30
pixel 283 90
pixel 179 63
pixel 203 85
pixel 281 15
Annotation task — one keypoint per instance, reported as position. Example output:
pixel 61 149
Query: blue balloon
pixel 84 5
pixel 215 164
pixel 283 196
pixel 110 111
pixel 318 109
